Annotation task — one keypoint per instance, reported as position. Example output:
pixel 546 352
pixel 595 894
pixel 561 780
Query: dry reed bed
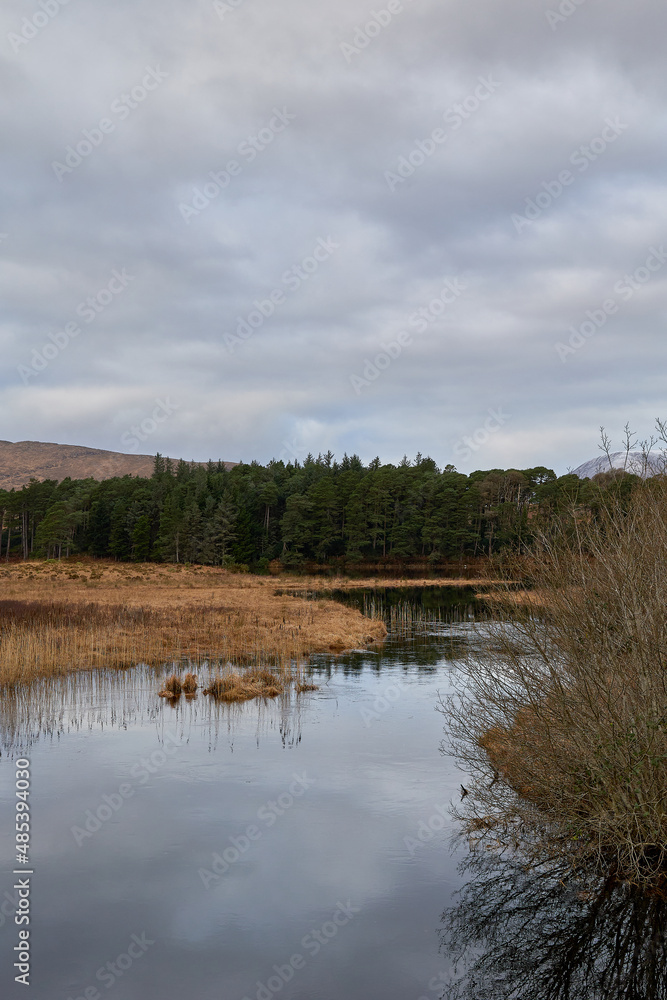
pixel 55 618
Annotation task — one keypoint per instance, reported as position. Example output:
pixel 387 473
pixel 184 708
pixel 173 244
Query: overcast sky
pixel 497 164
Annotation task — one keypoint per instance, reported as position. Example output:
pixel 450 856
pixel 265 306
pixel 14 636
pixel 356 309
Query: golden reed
pixel 60 617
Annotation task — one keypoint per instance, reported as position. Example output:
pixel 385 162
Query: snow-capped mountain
pixel 635 462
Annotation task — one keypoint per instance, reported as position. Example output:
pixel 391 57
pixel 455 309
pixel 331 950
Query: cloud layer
pixel 315 226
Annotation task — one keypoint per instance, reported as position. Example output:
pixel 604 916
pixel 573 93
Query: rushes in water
pixel 257 682
pixel 172 687
pixel 189 684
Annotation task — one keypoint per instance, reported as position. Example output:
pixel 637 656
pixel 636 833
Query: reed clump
pixel 257 682
pixel 189 685
pixel 562 715
pixel 172 688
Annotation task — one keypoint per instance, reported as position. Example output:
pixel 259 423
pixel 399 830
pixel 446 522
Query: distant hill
pixel 637 463
pixel 26 460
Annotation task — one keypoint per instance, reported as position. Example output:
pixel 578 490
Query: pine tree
pixel 119 535
pixel 56 530
pixel 247 544
pixel 99 527
pixel 192 532
pixel 141 539
pixel 356 527
pixel 325 514
pixel 168 541
pixel 296 529
pixel 219 535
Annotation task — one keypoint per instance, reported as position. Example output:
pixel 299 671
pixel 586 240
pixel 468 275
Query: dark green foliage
pixel 220 534
pixel 318 511
pixel 141 539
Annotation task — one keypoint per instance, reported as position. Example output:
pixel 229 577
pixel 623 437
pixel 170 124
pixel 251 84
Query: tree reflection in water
pixel 540 933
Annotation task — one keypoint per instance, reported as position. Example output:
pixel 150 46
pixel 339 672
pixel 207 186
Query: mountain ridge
pixel 635 461
pixel 21 461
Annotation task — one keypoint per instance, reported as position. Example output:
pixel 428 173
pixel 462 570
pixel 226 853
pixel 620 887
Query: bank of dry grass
pixel 370 583
pixel 59 617
pixel 516 598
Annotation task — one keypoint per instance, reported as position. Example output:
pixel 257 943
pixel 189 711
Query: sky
pixel 253 230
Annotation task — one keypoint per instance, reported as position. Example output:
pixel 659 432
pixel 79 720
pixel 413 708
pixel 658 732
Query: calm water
pixel 301 849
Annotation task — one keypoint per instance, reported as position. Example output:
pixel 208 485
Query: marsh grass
pixel 562 714
pixel 54 639
pixel 54 620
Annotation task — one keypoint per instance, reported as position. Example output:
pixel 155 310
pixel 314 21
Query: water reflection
pixel 410 610
pixel 541 933
pixel 374 778
pixel 535 933
pixel 97 700
pixel 427 625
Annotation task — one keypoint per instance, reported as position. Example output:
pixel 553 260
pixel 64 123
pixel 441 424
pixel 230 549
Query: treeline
pixel 321 510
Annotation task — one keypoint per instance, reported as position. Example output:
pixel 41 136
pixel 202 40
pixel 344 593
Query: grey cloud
pixel 323 176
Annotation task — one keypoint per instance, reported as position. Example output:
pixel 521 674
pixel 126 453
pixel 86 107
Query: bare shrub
pixel 562 717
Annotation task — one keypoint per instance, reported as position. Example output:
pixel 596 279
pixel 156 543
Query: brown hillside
pixel 26 460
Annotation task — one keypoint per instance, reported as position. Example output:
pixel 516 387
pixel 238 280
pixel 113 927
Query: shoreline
pixel 57 618
pixel 380 583
pixel 60 617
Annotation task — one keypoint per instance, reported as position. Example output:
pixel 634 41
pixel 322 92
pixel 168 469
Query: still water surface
pixel 299 849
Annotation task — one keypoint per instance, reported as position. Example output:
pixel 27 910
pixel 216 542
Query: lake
pixel 301 848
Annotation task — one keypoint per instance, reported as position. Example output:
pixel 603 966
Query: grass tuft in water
pixel 189 684
pixel 258 682
pixel 172 687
